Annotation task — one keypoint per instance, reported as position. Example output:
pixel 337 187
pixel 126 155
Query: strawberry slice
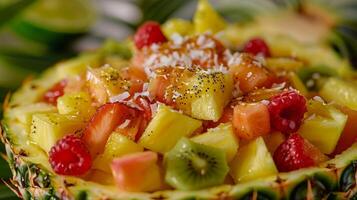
pixel 295 153
pixel 107 118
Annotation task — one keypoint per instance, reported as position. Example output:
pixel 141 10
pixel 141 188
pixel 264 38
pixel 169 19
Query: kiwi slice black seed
pixel 192 166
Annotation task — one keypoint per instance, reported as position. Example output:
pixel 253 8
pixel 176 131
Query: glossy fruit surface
pixel 148 34
pixel 287 111
pixel 296 153
pixel 70 156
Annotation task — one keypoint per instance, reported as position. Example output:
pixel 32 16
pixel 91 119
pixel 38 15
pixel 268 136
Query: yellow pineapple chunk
pixel 221 137
pixel 324 126
pixel 252 161
pixel 178 26
pixel 205 95
pixel 48 128
pixel 78 65
pixel 24 113
pixel 116 146
pixel 106 82
pixel 273 140
pixel 207 19
pixel 79 104
pixel 166 128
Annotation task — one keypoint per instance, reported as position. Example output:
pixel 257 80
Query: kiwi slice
pixel 192 166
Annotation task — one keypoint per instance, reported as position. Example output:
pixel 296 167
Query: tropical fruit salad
pixel 183 111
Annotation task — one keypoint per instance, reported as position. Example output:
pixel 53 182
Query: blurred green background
pixel 35 34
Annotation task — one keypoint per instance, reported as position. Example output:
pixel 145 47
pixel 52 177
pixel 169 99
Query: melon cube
pixel 251 120
pixel 138 172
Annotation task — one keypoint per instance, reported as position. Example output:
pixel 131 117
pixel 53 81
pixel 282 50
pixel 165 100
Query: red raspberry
pixel 295 153
pixel 287 111
pixel 70 156
pixel 149 33
pixel 257 46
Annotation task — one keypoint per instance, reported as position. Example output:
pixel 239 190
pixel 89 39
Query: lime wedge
pixel 55 21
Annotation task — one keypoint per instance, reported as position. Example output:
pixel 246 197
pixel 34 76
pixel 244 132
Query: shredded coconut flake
pixel 120 97
pixel 235 59
pixel 144 94
pixel 177 39
pixel 318 98
pixel 265 102
pixel 124 124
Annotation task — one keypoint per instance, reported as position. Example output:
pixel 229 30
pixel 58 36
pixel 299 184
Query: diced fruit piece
pixel 70 156
pixel 107 118
pixel 178 26
pixel 166 128
pixel 261 95
pixel 149 33
pixel 257 46
pixel 192 166
pixel 226 117
pixel 204 95
pixel 106 82
pixel 287 111
pixel 206 19
pixel 273 140
pixel 283 63
pixel 117 145
pixel 101 177
pixel 24 113
pixel 295 153
pixel 221 137
pixel 78 65
pixel 137 172
pixel 78 104
pixel 211 94
pixel 158 87
pixel 324 126
pixel 48 128
pixel 297 84
pixel 349 134
pixel 252 161
pixel 251 120
pixel 249 74
pixel 54 92
pixel 341 92
pixel 311 76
